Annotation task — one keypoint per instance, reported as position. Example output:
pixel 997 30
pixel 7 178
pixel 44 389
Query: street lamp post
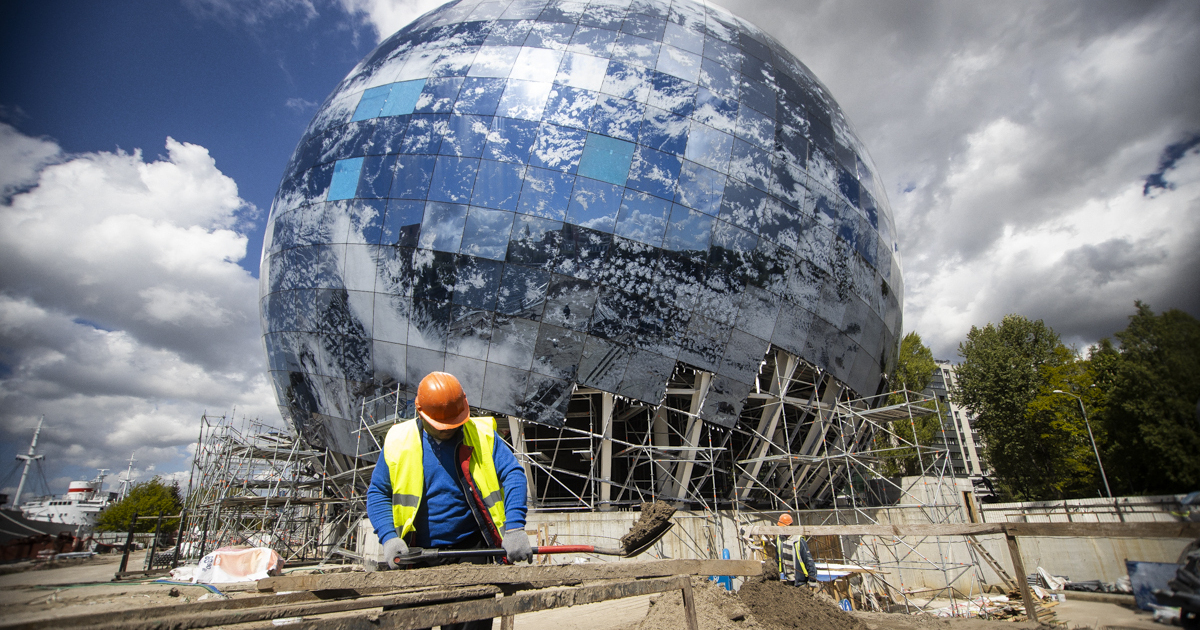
pixel 1107 490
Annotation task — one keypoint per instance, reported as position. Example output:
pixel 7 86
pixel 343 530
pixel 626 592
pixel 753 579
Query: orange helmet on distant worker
pixel 442 402
pixel 784 520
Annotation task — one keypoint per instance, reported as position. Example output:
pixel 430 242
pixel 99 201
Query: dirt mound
pixel 654 516
pixel 780 606
pixel 761 605
pixel 716 609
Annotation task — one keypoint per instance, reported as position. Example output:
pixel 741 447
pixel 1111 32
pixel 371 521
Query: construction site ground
pixel 87 587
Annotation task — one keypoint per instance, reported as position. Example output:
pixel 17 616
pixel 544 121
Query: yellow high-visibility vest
pixel 405 459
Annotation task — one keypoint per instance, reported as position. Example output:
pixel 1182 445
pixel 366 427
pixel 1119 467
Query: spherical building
pixel 550 197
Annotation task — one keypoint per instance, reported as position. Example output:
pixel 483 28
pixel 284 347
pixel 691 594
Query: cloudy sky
pixel 1040 158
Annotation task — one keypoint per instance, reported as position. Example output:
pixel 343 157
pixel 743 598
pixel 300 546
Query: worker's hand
pixel 392 548
pixel 516 545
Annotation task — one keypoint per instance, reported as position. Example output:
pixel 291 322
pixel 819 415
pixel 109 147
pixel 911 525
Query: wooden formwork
pixel 418 598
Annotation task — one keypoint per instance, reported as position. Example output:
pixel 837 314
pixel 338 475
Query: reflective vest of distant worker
pixel 795 563
pixel 444 480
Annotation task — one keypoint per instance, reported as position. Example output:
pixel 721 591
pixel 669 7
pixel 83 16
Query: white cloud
pixel 124 314
pixel 389 16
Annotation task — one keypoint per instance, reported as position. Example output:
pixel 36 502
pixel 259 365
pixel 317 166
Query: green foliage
pixel 147 499
pixel 1006 379
pixel 914 371
pixel 1151 411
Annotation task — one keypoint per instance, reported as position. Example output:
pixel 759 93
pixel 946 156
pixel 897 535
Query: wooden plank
pixel 1106 530
pixel 1082 530
pixel 498 574
pixel 689 606
pixel 441 614
pixel 189 616
pixel 952 529
pixel 1014 552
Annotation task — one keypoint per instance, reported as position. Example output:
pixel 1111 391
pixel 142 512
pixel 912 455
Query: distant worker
pixel 795 563
pixel 444 481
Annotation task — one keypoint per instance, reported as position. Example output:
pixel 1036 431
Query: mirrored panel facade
pixel 542 195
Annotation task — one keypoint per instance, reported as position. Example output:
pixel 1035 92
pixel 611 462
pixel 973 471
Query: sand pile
pixel 761 605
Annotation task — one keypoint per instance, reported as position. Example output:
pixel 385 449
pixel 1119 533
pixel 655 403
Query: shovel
pixel 418 554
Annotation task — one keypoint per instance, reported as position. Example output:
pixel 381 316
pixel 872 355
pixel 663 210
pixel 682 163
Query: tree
pixel 1151 415
pixel 914 371
pixel 1006 369
pixel 147 499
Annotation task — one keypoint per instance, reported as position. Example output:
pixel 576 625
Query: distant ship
pixel 80 506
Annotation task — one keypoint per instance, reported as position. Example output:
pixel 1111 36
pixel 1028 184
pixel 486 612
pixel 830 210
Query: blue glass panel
pixel 723 53
pixel 494 61
pixel 565 12
pixel 756 128
pixel 655 172
pixel 758 96
pixel 664 131
pixel 522 292
pixel 750 164
pixel 453 179
pixel 603 16
pixel 569 302
pixel 584 252
pixel 524 99
pixel 594 204
pixel 708 147
pixel 557 351
pixel 510 140
pixel 427 330
pixel 626 81
pixel 402 223
pixel 413 173
pixel 700 188
pixel 617 117
pixel 403 98
pixel 477 283
pixel 684 38
pixel 716 112
pixel 513 339
pixel 718 79
pixel 442 226
pixel 646 376
pixel 465 136
pixel 644 26
pixel 424 133
pixel 592 41
pixel 486 234
pixel 635 50
pixel 582 71
pixel 570 107
pixel 671 93
pixel 371 102
pixel 679 63
pixel 437 96
pixel 744 205
pixel 603 364
pixel 503 388
pixel 454 61
pixel 606 159
pixel 558 148
pixel 345 179
pixel 479 96
pixel 472 33
pixel 376 177
pixel 536 64
pixel 545 193
pixel 498 185
pixel 366 220
pixel 508 33
pixel 387 135
pixel 534 241
pixel 688 230
pixel 550 35
pixel 643 218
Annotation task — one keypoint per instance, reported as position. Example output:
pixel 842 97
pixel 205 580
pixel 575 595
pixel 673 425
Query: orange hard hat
pixel 785 520
pixel 442 402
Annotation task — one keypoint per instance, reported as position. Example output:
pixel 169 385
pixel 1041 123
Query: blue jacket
pixel 445 517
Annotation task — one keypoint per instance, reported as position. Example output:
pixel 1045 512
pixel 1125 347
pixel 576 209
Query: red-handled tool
pixel 418 554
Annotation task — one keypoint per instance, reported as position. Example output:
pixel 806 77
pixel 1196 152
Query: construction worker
pixel 444 481
pixel 795 563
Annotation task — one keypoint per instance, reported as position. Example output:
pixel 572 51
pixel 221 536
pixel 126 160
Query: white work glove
pixel 392 548
pixel 516 545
